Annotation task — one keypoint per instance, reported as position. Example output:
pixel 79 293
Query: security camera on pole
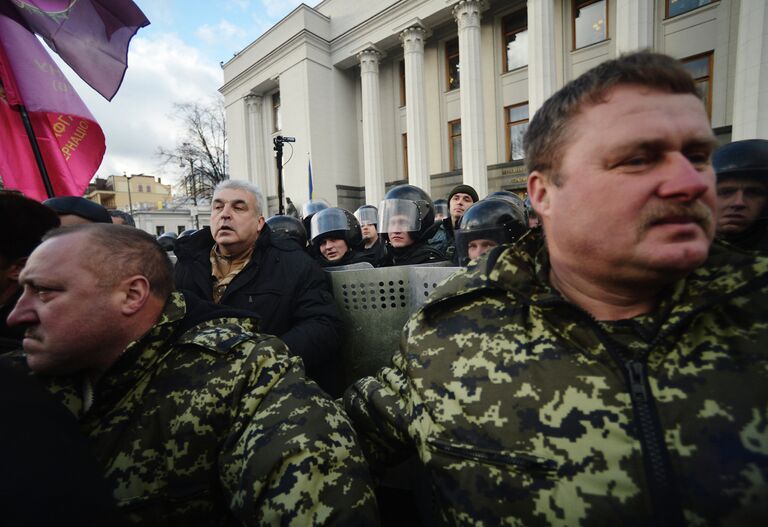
pixel 279 141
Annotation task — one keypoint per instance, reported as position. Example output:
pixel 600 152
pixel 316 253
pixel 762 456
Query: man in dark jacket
pixel 236 262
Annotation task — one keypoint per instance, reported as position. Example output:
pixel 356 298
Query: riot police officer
pixel 368 216
pixel 337 238
pixel 490 222
pixel 406 223
pixel 742 194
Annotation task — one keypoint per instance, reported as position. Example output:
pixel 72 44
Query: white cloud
pixel 222 31
pixel 242 5
pixel 279 8
pixel 162 70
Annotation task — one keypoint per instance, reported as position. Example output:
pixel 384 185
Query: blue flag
pixel 311 188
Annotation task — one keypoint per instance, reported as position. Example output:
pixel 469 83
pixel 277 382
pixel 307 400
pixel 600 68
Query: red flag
pixel 70 140
pixel 92 36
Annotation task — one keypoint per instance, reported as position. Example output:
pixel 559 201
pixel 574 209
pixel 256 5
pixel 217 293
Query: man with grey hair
pixel 237 262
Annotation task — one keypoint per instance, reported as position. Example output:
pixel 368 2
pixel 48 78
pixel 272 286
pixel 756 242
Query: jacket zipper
pixel 666 505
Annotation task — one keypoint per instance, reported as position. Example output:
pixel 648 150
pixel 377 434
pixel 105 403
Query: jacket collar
pixel 523 270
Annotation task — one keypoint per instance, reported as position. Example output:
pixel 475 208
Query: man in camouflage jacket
pixel 196 418
pixel 614 373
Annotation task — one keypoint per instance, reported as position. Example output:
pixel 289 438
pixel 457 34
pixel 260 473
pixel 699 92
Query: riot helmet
pixel 367 215
pixel 406 208
pixel 742 159
pixel 441 209
pixel 336 223
pixel 289 226
pixel 167 240
pixel 496 220
pixel 309 209
pixel 507 195
pixel 187 232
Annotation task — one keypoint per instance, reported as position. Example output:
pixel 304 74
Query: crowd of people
pixel 602 358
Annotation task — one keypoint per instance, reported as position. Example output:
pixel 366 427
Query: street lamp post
pixel 130 201
pixel 194 184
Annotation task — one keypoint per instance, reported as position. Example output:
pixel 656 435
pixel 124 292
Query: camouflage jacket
pixel 216 425
pixel 527 411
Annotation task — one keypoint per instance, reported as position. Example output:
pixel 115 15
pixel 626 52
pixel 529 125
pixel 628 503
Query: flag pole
pixel 36 150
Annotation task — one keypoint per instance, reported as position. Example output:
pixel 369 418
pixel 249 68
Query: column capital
pixel 369 60
pixel 252 100
pixel 467 12
pixel 413 38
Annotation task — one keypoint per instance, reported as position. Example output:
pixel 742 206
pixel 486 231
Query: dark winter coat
pixel 284 287
pixel 418 253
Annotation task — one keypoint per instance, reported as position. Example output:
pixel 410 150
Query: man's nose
pixel 22 313
pixel 738 199
pixel 684 181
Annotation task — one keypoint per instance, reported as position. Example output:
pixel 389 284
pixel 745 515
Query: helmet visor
pixel 399 215
pixel 367 216
pixel 328 221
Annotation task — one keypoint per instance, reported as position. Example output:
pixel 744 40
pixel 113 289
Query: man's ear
pixel 14 270
pixel 538 193
pixel 135 293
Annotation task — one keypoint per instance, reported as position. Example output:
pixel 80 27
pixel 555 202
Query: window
pixel 678 7
pixel 402 83
pixel 141 188
pixel 700 68
pixel 405 156
pixel 160 229
pixel 180 229
pixel 454 142
pixel 517 123
pixel 590 22
pixel 515 28
pixel 452 63
pixel 277 121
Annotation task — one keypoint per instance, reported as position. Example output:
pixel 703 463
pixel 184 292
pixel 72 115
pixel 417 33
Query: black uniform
pixel 284 287
pixel 418 253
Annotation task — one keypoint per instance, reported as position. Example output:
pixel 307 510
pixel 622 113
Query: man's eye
pixel 637 161
pixel 698 159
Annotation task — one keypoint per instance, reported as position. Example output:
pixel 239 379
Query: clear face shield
pixel 329 221
pixel 367 216
pixel 399 215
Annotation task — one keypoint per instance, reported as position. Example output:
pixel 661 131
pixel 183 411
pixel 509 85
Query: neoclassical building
pixel 438 92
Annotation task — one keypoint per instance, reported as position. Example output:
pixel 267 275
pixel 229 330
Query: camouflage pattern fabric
pixel 220 428
pixel 521 415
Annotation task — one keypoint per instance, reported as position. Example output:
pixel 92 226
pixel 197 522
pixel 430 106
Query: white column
pixel 416 107
pixel 475 171
pixel 750 98
pixel 634 25
pixel 257 149
pixel 372 152
pixel 542 76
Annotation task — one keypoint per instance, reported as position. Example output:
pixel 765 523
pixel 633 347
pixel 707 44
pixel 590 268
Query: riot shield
pixel 375 305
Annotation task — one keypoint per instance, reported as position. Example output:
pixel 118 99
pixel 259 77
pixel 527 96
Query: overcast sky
pixel 174 59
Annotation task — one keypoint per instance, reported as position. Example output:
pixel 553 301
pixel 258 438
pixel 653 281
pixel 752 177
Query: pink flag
pixel 70 140
pixel 92 36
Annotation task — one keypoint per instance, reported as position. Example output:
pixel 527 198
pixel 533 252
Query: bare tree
pixel 201 150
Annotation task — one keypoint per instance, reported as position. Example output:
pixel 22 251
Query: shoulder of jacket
pixel 224 335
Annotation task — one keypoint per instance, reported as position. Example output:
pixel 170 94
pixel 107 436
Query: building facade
pixel 439 92
pixel 135 192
